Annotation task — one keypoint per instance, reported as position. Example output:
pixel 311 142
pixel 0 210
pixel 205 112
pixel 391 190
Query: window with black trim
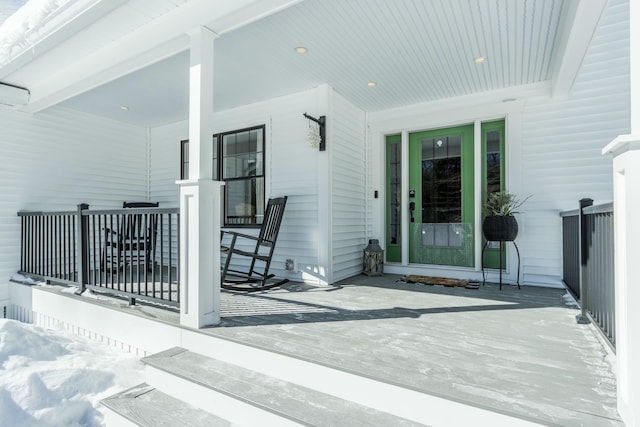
pixel 184 159
pixel 238 160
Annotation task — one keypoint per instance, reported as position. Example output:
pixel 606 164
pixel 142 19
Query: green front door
pixel 441 182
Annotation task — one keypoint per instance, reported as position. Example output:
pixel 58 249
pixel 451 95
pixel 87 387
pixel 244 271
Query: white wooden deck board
pixel 518 352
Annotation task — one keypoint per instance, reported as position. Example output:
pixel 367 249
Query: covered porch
pixel 562 92
pixel 431 355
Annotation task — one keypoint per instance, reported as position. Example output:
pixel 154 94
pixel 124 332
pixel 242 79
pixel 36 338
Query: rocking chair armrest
pixel 236 234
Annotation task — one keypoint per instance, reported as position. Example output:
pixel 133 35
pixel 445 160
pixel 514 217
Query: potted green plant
pixel 499 223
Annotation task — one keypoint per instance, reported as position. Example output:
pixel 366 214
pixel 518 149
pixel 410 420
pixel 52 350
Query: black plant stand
pixel 484 248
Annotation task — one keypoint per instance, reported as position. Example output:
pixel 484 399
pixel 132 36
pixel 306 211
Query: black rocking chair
pixel 255 279
pixel 134 242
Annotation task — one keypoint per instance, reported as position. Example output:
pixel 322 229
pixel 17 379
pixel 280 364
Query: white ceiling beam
pixel 247 15
pixel 580 23
pixel 161 38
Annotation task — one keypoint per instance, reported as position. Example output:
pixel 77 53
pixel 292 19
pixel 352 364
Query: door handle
pixel 412 207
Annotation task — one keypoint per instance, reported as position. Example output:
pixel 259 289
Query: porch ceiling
pixel 415 51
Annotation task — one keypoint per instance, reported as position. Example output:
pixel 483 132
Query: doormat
pixel 430 280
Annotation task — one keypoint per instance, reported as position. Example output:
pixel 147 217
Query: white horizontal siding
pixel 164 163
pixel 348 188
pixel 563 140
pixel 291 170
pixel 58 159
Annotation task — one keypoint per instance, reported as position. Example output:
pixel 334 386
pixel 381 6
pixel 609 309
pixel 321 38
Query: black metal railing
pixel 49 246
pixel 588 262
pixel 128 252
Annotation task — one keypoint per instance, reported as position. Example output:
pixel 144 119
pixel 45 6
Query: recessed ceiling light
pixel 301 49
pixel 372 84
pixel 124 108
pixel 479 59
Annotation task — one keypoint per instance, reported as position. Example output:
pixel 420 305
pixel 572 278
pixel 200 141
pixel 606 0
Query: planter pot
pixel 500 228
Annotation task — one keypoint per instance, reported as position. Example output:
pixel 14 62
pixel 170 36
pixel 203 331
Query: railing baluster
pixel 74 261
pixel 34 245
pixel 63 241
pixel 56 246
pixel 141 234
pixel 170 232
pixel 111 265
pixel 47 261
pixel 50 247
pixel 103 250
pixel 44 257
pixel 22 247
pixel 177 251
pixel 162 258
pixel 94 252
pixel 41 237
pixel 26 243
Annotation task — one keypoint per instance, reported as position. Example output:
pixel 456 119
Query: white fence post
pixel 626 205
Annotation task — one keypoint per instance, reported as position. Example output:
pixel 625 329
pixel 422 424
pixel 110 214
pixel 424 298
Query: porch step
pixel 145 406
pixel 250 398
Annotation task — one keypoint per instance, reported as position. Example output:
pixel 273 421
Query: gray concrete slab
pixel 515 351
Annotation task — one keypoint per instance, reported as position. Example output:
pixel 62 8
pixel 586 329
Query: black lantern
pixel 373 259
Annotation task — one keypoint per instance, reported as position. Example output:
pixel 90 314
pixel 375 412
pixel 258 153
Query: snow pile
pixel 569 300
pixel 22 29
pixel 8 8
pixel 24 279
pixel 52 378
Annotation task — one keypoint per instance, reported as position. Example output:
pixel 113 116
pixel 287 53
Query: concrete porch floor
pixel 515 351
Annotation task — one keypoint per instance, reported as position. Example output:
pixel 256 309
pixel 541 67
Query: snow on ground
pixel 54 378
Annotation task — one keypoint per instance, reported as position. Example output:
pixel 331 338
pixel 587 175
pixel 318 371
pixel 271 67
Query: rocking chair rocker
pixel 255 279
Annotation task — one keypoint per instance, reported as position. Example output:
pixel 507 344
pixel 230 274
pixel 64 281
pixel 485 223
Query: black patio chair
pixel 133 243
pixel 258 250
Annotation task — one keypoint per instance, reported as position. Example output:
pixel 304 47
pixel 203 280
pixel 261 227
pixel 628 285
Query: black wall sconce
pixel 321 121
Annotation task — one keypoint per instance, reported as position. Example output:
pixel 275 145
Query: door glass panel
pixel 394 199
pixel 441 172
pixel 493 149
pixel 441 168
pixel 493 143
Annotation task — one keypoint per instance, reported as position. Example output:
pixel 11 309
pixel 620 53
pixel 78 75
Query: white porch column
pixel 200 196
pixel 626 204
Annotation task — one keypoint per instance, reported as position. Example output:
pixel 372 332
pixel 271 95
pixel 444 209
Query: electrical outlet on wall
pixel 290 264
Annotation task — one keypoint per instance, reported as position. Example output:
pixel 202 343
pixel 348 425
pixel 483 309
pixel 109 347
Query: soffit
pixel 416 51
